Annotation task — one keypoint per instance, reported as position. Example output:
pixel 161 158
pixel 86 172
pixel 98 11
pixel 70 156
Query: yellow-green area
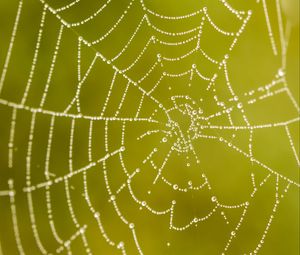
pixel 180 117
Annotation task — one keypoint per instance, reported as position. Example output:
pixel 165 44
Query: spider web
pixel 112 130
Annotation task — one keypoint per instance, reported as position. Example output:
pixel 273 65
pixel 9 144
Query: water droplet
pixel 280 72
pixel 239 105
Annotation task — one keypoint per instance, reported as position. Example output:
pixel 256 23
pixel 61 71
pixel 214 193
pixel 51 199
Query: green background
pixel 251 65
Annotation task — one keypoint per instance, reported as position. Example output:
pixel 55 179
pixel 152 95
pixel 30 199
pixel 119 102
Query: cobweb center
pixel 183 126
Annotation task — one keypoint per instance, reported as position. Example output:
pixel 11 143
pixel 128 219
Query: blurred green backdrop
pixel 247 131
